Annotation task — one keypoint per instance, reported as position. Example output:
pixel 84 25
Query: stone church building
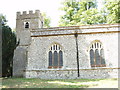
pixel 70 52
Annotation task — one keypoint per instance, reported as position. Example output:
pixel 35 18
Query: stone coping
pixel 71 30
pixel 77 27
pixel 46 35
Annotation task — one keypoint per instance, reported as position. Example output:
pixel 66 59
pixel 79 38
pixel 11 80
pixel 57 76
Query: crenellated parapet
pixel 26 21
pixel 29 15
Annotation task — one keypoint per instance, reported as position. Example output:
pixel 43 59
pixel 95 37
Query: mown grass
pixel 64 83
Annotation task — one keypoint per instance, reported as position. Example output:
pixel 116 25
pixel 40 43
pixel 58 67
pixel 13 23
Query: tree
pixel 46 20
pixel 8 46
pixel 86 12
pixel 2 19
pixel 112 11
pixel 70 8
pixel 78 13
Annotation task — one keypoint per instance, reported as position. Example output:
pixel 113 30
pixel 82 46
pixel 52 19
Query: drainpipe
pixel 76 39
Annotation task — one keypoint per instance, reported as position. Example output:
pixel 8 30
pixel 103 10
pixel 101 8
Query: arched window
pixel 97 58
pixel 60 58
pixel 55 62
pixel 27 25
pixel 50 58
pixel 55 56
pixel 102 57
pixel 92 57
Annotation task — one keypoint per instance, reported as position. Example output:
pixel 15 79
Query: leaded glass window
pixel 55 59
pixel 97 58
pixel 60 58
pixel 92 57
pixel 55 56
pixel 102 57
pixel 50 58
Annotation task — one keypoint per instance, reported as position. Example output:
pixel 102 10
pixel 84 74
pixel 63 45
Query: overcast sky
pixel 50 7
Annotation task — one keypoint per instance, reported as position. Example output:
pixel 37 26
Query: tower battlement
pixel 26 21
pixel 29 15
pixel 30 19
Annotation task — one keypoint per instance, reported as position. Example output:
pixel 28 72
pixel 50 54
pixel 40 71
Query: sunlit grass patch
pixel 58 83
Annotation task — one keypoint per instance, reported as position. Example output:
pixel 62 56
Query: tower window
pixel 27 25
pixel 55 57
pixel 97 58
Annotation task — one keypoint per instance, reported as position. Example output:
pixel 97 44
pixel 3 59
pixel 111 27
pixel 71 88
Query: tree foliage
pixel 2 19
pixel 8 46
pixel 46 20
pixel 112 11
pixel 86 12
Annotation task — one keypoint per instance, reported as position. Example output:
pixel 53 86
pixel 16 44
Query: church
pixel 69 52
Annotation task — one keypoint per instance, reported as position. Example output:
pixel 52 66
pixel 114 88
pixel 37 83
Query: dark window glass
pixel 95 45
pixel 55 58
pixel 27 25
pixel 60 58
pixel 50 58
pixel 92 45
pixel 97 57
pixel 54 47
pixel 92 57
pixel 102 56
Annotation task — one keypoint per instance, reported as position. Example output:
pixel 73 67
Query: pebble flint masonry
pixel 70 52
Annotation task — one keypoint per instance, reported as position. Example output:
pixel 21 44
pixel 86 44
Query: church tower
pixel 25 22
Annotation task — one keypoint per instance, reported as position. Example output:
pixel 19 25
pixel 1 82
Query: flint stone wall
pixel 73 74
pixel 42 39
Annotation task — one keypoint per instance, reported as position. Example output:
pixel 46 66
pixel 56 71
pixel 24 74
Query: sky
pixel 50 7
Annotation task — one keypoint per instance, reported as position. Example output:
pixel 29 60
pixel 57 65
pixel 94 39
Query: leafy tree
pixel 2 19
pixel 86 12
pixel 46 20
pixel 8 46
pixel 112 11
pixel 78 13
pixel 70 8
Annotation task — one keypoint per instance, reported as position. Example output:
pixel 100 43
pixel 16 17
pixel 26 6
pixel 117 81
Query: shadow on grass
pixel 76 80
pixel 36 83
pixel 45 83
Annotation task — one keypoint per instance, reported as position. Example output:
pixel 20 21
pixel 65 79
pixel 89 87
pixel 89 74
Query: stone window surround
pixel 55 47
pixel 96 45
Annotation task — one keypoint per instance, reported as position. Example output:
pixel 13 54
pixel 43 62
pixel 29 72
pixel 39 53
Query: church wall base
pixel 73 74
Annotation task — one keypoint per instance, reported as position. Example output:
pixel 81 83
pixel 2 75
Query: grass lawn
pixel 66 83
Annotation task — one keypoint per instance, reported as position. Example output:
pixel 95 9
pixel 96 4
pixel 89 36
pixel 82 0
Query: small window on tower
pixel 27 25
